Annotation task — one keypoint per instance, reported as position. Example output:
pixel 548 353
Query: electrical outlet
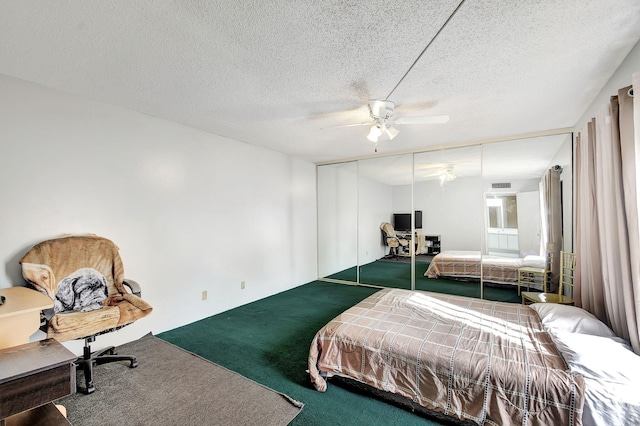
pixel 242 285
pixel 204 295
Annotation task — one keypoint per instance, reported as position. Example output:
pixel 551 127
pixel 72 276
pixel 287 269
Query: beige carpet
pixel 175 387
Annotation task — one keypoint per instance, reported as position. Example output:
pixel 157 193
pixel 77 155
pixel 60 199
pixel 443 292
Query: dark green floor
pixel 398 275
pixel 268 341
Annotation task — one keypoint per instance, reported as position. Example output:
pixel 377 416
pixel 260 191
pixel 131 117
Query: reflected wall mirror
pixel 480 203
pixel 384 198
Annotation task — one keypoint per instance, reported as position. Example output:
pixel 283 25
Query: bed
pixel 466 265
pixel 489 363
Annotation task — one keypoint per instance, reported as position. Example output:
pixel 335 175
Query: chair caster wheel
pixel 134 363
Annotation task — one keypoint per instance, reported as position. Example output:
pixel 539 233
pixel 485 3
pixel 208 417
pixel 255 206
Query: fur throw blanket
pixel 84 290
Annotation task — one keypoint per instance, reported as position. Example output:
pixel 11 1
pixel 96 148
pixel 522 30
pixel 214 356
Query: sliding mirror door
pixel 521 228
pixel 447 188
pixel 384 192
pixel 338 221
pixel 486 206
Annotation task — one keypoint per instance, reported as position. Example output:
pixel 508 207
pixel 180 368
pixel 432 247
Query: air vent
pixel 505 185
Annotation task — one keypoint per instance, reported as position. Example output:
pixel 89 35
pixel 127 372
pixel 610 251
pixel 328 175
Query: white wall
pixel 374 200
pixel 529 223
pixel 190 211
pixel 351 209
pixel 621 78
pixel 454 211
pixel 337 218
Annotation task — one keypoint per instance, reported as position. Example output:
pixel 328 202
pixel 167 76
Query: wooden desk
pixel 20 314
pixel 33 375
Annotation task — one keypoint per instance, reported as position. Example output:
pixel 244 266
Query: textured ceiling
pixel 282 74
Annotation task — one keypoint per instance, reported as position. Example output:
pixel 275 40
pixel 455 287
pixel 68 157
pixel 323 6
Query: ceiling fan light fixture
pixel 375 133
pixel 381 109
pixel 392 132
pixel 446 176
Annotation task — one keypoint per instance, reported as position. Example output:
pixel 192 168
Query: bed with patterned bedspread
pixel 491 363
pixel 463 264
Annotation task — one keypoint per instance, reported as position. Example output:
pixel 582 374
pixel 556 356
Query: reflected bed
pixel 459 264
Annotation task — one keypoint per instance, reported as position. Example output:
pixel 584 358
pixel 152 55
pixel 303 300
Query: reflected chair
pixel 565 286
pixel 391 240
pixel 84 277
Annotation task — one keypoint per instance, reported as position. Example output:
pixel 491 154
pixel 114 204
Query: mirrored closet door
pixel 459 220
pixel 384 221
pixel 447 188
pixel 518 240
pixel 338 221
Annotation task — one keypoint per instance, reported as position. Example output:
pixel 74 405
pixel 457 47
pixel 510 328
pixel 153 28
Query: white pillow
pixel 556 317
pixel 532 261
pixel 608 359
pixel 611 373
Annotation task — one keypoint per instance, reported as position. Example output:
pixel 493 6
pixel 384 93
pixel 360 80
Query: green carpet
pixel 398 275
pixel 268 341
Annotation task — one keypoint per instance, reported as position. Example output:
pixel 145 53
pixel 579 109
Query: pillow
pixel 611 373
pixel 556 317
pixel 607 359
pixel 532 261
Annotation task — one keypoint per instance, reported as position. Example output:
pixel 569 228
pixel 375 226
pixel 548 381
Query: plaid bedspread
pixel 488 362
pixel 466 264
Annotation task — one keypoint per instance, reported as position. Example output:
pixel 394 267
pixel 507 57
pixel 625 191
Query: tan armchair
pixel 390 239
pixel 84 277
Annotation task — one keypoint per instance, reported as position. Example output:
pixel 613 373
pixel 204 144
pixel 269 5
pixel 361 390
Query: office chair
pixel 390 239
pixel 84 277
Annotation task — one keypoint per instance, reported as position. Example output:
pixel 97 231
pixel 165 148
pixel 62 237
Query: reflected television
pixel 402 221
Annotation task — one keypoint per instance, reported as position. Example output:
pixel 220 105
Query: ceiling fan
pixel 442 172
pixel 381 111
pixel 446 175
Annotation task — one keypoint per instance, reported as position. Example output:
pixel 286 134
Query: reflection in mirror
pixel 448 191
pixel 502 226
pixel 338 221
pixel 384 235
pixel 516 231
pixel 480 205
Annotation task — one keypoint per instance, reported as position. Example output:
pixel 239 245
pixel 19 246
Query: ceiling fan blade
pixel 368 123
pixel 427 119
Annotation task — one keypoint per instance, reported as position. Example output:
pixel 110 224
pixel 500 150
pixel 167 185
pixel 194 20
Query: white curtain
pixel 607 236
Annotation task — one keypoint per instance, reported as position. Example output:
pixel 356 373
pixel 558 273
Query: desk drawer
pixel 36 389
